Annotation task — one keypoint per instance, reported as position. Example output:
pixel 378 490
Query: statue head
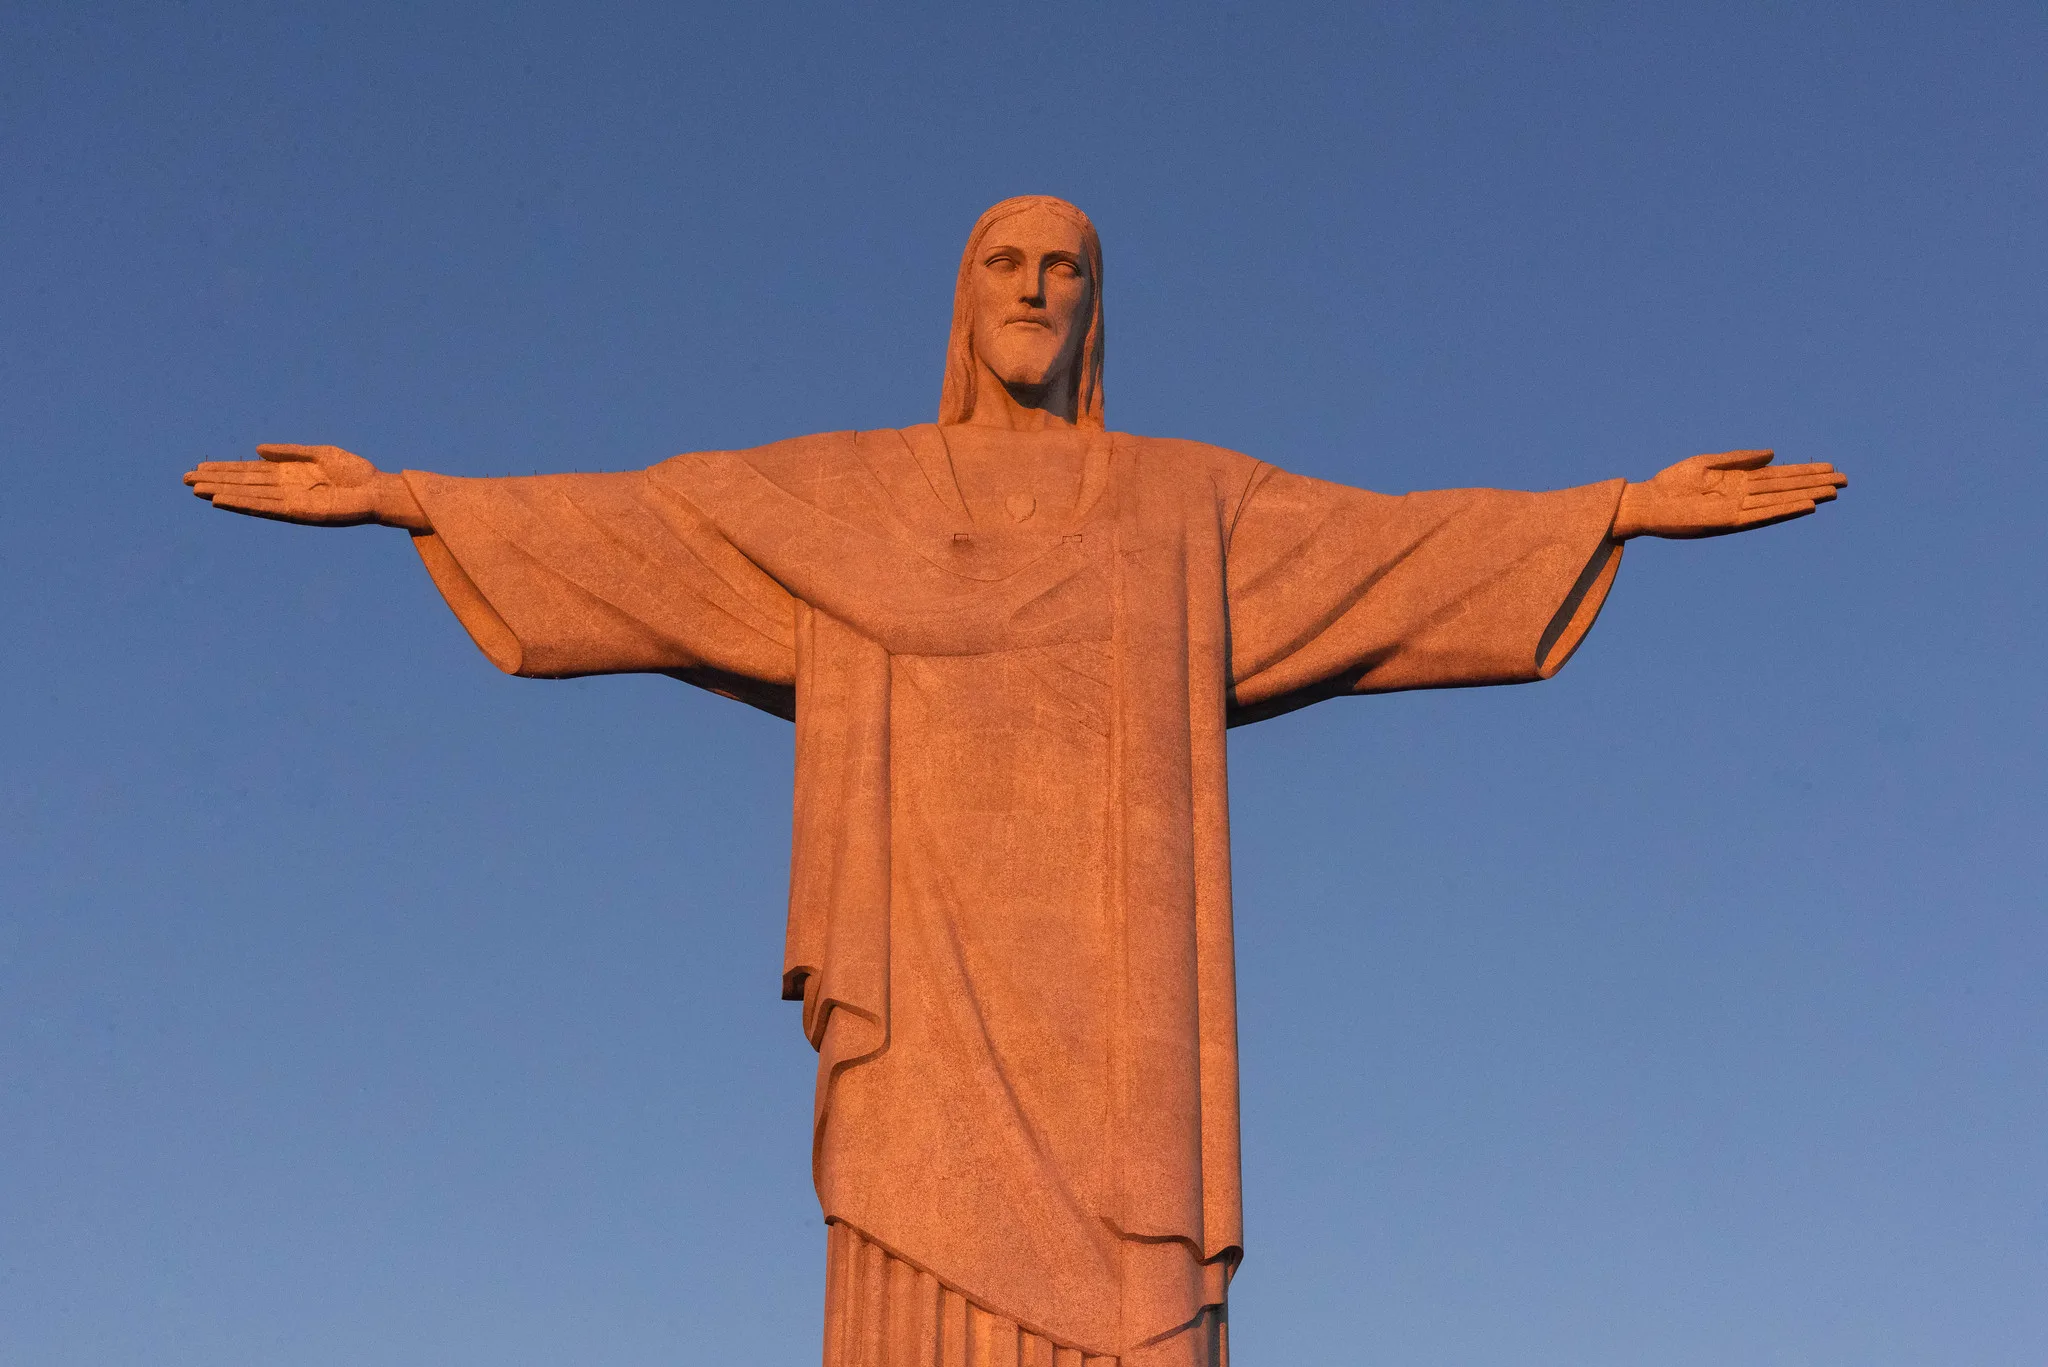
pixel 1027 312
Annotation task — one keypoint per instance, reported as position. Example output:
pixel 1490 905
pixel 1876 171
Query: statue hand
pixel 321 486
pixel 1730 491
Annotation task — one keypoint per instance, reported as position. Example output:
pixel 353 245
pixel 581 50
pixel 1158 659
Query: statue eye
pixel 1001 263
pixel 1067 269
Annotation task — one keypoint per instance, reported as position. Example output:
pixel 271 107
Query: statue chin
pixel 1027 376
pixel 1033 361
pixel 1035 391
pixel 1030 379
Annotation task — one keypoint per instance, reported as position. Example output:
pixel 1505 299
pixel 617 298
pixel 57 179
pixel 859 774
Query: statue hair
pixel 963 373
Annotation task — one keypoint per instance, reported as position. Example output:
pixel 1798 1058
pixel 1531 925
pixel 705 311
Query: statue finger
pixel 210 488
pixel 241 501
pixel 1793 478
pixel 1776 512
pixel 1786 498
pixel 1735 460
pixel 1831 484
pixel 218 467
pixel 277 513
pixel 1812 467
pixel 1812 494
pixel 286 451
pixel 1778 486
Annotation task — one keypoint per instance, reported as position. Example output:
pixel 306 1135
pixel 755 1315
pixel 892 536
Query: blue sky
pixel 358 1004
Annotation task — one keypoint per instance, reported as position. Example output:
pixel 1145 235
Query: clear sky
pixel 361 1005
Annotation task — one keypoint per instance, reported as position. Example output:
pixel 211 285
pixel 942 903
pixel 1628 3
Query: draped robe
pixel 1009 918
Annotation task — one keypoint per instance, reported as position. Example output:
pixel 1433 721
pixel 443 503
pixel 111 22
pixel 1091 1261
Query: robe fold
pixel 1009 918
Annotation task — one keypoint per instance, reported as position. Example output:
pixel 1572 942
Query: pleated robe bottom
pixel 881 1311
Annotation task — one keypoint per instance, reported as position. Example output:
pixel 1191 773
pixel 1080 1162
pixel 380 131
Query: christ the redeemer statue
pixel 1011 643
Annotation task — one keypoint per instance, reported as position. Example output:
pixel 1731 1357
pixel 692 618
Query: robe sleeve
pixel 556 576
pixel 1337 590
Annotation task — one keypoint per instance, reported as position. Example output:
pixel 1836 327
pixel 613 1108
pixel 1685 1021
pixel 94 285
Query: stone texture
pixel 1011 643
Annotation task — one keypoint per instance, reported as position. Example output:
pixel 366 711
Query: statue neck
pixel 1023 408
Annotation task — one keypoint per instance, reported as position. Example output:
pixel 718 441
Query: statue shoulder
pixel 1229 470
pixel 790 454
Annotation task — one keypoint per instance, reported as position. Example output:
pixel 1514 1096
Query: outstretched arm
pixel 320 486
pixel 1730 491
pixel 553 575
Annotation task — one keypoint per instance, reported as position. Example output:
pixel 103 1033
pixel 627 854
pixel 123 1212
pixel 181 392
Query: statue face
pixel 1031 299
